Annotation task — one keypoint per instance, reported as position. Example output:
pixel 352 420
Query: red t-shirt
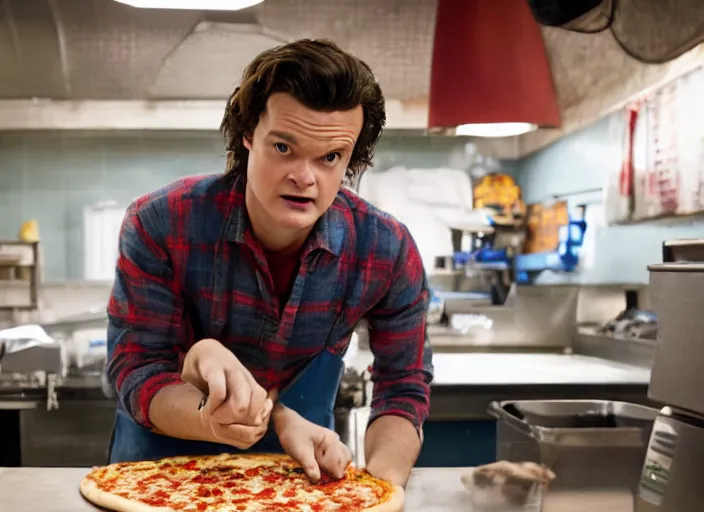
pixel 284 269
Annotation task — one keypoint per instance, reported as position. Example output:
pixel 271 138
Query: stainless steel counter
pixel 429 490
pixel 467 369
pixel 533 369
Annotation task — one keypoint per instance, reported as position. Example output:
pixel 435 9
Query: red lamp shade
pixel 489 66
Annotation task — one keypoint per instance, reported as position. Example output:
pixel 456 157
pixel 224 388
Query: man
pixel 236 295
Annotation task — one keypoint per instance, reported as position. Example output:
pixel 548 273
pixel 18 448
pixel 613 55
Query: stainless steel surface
pixel 470 403
pixel 23 271
pixel 497 368
pixel 15 405
pixel 52 397
pixel 589 444
pixel 536 316
pixel 598 304
pixel 683 250
pixel 675 461
pixel 633 351
pixel 47 358
pixel 39 366
pixel 75 435
pixel 674 465
pixel 428 490
pixel 67 325
pixel 458 281
pixel 482 369
pixel 677 377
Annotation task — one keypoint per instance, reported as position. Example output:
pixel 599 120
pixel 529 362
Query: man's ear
pixel 247 141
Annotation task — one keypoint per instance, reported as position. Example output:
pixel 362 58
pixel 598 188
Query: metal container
pixel 674 463
pixel 589 444
pixel 351 426
pixel 676 291
pixel 532 316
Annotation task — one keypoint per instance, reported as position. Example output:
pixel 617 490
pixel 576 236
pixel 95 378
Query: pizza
pixel 233 483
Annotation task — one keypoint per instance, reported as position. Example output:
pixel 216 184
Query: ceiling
pixel 101 49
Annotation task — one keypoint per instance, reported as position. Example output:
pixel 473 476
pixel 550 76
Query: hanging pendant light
pixel 490 73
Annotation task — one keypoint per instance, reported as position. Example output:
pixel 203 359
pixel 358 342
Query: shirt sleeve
pixel 403 368
pixel 147 334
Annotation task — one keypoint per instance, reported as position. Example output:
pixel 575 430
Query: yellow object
pixel 500 193
pixel 29 232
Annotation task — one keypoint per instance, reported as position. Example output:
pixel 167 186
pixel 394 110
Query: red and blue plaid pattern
pixel 189 268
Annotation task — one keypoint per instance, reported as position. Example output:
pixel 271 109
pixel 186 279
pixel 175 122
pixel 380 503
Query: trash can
pixel 589 444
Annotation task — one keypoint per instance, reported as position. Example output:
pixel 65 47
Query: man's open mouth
pixel 298 199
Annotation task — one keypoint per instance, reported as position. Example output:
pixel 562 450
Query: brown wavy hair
pixel 320 75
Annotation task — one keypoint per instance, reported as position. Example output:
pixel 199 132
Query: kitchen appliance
pixel 589 444
pixel 30 359
pixel 674 462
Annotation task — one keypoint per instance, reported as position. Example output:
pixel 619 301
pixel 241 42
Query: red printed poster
pixel 668 150
pixel 619 191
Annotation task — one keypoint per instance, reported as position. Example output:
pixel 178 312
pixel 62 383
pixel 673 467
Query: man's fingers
pixel 240 436
pixel 304 454
pixel 217 389
pixel 266 412
pixel 271 398
pixel 333 456
pixel 257 404
pixel 234 408
pixel 240 394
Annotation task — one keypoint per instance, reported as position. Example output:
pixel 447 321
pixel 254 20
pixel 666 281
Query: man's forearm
pixel 392 446
pixel 174 413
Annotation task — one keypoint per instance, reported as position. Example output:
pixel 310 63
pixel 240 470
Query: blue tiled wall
pixel 51 177
pixel 581 162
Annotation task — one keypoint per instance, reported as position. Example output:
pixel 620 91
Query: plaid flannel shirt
pixel 189 267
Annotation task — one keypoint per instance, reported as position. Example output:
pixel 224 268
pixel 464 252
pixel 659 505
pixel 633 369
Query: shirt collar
pixel 328 233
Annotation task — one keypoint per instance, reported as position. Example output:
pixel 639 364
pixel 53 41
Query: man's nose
pixel 303 175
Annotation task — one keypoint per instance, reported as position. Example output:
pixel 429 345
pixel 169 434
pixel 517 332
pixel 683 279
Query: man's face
pixel 297 161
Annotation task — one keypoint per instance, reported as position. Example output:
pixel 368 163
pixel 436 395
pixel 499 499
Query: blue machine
pixel 564 259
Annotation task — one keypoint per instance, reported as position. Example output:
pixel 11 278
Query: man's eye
pixel 331 158
pixel 281 147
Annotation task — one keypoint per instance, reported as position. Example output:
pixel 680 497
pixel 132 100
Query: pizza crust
pixel 393 504
pixel 94 494
pixel 91 492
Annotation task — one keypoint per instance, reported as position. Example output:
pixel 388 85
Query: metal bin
pixel 589 444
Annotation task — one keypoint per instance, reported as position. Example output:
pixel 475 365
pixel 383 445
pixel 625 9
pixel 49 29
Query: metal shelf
pixel 33 281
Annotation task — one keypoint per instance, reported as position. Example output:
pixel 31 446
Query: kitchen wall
pixel 51 177
pixel 576 168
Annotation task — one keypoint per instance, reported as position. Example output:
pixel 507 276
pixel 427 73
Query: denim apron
pixel 311 394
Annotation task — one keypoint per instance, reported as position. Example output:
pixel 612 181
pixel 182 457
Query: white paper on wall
pixel 101 231
pixel 670 173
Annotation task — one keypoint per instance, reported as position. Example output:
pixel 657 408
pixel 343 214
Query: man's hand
pixel 315 448
pixel 238 408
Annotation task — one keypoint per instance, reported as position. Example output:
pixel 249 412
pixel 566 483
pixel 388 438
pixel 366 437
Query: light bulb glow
pixel 200 5
pixel 495 129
